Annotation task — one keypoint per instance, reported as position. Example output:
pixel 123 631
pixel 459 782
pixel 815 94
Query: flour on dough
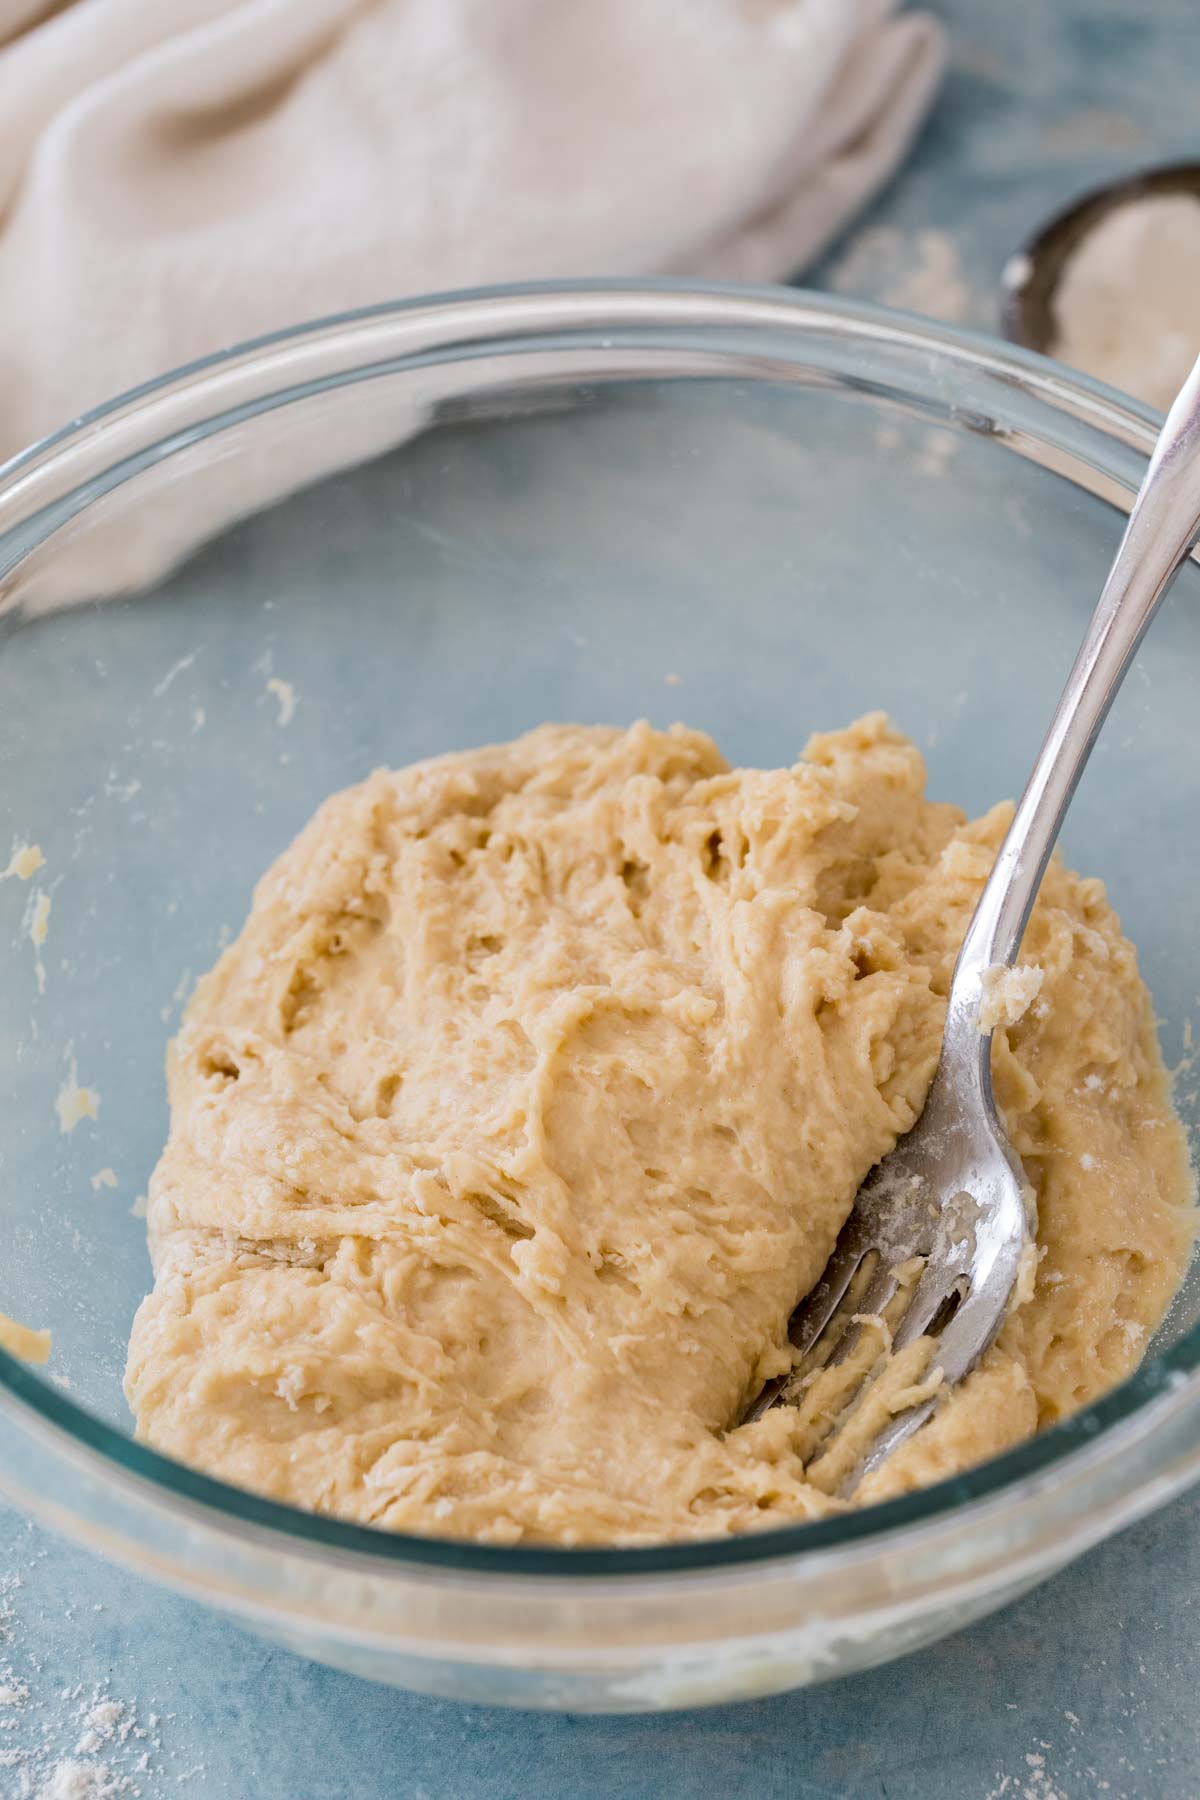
pixel 531 1099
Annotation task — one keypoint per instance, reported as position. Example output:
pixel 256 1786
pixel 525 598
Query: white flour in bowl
pixel 1127 305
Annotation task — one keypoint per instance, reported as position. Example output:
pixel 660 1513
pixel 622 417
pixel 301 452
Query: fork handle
pixel 1163 525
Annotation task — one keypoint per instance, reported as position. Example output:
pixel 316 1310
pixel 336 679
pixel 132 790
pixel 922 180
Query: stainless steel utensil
pixel 953 1192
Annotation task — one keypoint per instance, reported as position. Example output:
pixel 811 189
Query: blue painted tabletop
pixel 1086 1687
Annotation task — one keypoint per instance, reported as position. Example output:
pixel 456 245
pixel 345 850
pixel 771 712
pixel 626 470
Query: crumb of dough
pixel 39 918
pixel 73 1103
pixel 24 862
pixel 1007 994
pixel 21 1340
pixel 106 1178
pixel 285 696
pixel 531 1099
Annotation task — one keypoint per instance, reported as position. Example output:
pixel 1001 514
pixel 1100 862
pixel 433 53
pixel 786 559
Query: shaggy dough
pixel 532 1097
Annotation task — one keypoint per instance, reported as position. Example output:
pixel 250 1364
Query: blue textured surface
pixel 1086 1687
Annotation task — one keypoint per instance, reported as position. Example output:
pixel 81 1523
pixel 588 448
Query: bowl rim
pixel 1112 1421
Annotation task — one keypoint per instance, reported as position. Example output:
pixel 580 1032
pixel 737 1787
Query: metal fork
pixel 953 1191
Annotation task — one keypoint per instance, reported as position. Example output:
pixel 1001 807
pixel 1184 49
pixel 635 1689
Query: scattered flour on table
pixel 1032 1783
pixel 921 272
pixel 173 674
pixel 1061 1766
pixel 1092 128
pixel 71 1779
pixel 74 1742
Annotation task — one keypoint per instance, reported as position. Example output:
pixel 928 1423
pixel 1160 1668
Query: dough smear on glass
pixel 532 1097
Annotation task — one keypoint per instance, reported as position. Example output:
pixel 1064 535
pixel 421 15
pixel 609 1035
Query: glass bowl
pixel 760 511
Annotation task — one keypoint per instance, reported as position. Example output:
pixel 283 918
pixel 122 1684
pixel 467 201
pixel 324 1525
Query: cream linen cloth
pixel 178 175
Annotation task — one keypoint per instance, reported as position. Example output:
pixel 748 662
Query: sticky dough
pixel 531 1099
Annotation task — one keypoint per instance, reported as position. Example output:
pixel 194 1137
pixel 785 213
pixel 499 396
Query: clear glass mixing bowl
pixel 760 511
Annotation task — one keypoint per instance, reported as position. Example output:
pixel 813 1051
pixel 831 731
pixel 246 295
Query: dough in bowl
pixel 532 1097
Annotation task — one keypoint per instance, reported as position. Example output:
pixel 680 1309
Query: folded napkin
pixel 176 175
